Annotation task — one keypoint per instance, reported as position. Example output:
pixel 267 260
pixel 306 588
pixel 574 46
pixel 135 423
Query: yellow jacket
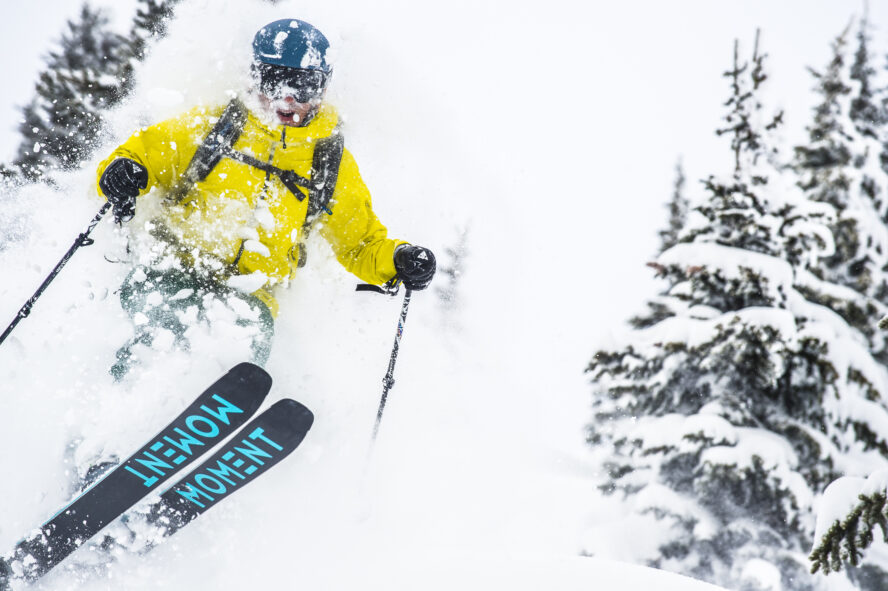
pixel 252 224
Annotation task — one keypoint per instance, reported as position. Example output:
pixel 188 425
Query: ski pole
pixel 82 240
pixel 388 381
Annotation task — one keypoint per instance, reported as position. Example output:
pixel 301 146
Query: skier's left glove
pixel 415 266
pixel 121 183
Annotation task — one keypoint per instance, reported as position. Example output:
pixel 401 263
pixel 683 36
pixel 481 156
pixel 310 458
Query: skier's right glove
pixel 121 183
pixel 415 266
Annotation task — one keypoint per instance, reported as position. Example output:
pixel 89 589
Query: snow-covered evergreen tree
pixel 150 24
pixel 678 213
pixel 92 70
pixel 723 418
pixel 678 210
pixel 85 76
pixel 451 272
pixel 841 166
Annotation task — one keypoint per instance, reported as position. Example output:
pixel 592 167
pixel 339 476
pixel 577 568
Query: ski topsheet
pixel 217 413
pixel 264 442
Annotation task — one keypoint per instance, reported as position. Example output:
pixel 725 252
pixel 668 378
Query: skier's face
pixel 290 95
pixel 287 111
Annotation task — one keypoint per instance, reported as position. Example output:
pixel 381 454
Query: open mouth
pixel 286 115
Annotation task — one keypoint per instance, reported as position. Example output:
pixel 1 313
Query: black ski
pixel 264 442
pixel 217 413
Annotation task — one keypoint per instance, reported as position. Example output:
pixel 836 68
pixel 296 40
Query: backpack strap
pixel 219 144
pixel 324 173
pixel 216 145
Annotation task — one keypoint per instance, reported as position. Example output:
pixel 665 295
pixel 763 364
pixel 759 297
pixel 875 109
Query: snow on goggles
pixel 280 81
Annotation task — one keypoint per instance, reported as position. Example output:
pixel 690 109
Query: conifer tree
pixel 452 271
pixel 722 420
pixel 150 24
pixel 92 71
pixel 678 211
pixel 840 166
pixel 869 117
pixel 84 77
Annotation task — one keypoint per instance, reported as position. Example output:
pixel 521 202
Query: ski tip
pixel 294 414
pixel 251 373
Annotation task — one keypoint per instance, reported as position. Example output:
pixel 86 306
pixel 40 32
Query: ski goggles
pixel 277 82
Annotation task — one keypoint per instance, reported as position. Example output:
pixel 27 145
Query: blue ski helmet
pixel 293 44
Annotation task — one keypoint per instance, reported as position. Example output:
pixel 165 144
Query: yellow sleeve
pixel 165 149
pixel 357 237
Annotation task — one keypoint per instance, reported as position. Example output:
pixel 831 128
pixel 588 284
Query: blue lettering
pixel 184 444
pixel 201 480
pixel 149 480
pixel 254 453
pixel 258 434
pixel 222 412
pixel 214 429
pixel 223 470
pixel 154 463
pixel 191 493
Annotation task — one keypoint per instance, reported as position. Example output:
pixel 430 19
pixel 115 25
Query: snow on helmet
pixel 293 44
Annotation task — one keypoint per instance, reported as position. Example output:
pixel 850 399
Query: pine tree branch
pixel 845 541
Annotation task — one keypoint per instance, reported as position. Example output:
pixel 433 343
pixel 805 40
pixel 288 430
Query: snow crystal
pixel 140 319
pixel 248 283
pixel 264 217
pixel 257 247
pixel 139 275
pixel 247 233
pixel 188 317
pixel 154 299
pixel 182 294
pixel 243 309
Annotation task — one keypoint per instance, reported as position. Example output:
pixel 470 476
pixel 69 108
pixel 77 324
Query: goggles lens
pixel 277 82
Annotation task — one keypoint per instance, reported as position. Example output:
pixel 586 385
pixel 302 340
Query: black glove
pixel 121 183
pixel 415 266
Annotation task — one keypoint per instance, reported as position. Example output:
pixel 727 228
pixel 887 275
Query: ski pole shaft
pixel 82 240
pixel 388 381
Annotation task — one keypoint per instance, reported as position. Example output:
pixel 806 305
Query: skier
pixel 234 218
